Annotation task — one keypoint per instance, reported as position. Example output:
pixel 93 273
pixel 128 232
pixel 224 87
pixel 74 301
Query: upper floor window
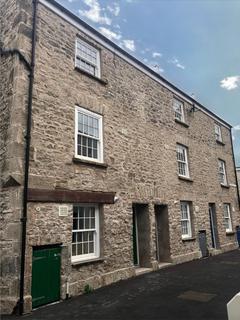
pixel 182 160
pixel 87 58
pixel 218 133
pixel 179 110
pixel 88 135
pixel 185 220
pixel 222 172
pixel 85 232
pixel 227 217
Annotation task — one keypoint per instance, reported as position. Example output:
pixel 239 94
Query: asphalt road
pixel 195 290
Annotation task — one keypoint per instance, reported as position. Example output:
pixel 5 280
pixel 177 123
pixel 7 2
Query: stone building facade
pixel 126 170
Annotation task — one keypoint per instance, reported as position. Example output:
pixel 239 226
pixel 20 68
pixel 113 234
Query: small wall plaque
pixel 63 211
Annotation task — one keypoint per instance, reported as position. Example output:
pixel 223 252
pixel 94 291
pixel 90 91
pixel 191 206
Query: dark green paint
pixel 46 276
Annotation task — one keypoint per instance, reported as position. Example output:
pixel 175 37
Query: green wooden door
pixel 46 276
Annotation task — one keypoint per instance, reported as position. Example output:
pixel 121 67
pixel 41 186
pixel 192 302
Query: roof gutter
pixel 27 158
pixel 100 38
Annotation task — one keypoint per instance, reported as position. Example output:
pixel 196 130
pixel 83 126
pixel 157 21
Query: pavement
pixel 194 290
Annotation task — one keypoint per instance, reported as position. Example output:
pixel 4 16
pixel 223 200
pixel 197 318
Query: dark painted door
pixel 162 233
pixel 203 242
pixel 213 226
pixel 135 239
pixel 46 276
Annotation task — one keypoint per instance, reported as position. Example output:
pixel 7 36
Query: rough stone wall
pixel 14 84
pixel 140 137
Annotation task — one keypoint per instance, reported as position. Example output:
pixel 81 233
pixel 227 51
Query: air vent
pixel 63 211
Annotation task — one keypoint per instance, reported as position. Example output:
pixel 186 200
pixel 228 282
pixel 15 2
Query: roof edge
pixel 135 62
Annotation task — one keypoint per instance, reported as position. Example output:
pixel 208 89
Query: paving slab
pixel 195 290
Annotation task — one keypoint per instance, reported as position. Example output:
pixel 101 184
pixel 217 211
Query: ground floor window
pixel 185 220
pixel 227 217
pixel 85 232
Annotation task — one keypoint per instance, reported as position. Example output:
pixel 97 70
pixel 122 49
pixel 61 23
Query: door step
pixel 139 270
pixel 162 265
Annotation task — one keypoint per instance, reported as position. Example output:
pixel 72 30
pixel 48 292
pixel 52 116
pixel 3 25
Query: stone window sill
pixel 230 233
pixel 184 124
pixel 225 186
pixel 185 178
pixel 104 82
pixel 90 163
pixel 188 239
pixel 81 262
pixel 220 142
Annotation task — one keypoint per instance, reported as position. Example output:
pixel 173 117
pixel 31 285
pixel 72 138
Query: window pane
pixel 90 236
pixel 74 237
pixel 80 237
pixel 79 248
pixel 75 223
pixel 74 252
pixel 87 212
pixel 85 236
pixel 81 223
pixel 87 223
pixel 75 212
pixel 91 247
pixel 85 247
pixel 92 223
pixel 81 212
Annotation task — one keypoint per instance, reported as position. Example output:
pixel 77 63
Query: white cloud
pixel 110 34
pixel 114 9
pixel 230 83
pixel 129 44
pixel 95 12
pixel 237 127
pixel 177 63
pixel 156 55
pixel 233 138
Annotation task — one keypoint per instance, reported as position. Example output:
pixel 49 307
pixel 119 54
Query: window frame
pixel 97 66
pixel 187 175
pixel 181 104
pixel 96 254
pixel 224 173
pixel 218 132
pixel 188 220
pixel 99 117
pixel 227 217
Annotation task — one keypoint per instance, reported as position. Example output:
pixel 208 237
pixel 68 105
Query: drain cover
pixel 197 296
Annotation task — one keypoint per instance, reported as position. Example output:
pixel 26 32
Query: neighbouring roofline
pixel 97 36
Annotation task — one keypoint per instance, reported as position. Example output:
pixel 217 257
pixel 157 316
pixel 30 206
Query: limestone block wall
pixel 140 137
pixel 13 98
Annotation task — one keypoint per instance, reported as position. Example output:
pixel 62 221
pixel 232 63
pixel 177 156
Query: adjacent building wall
pixel 14 84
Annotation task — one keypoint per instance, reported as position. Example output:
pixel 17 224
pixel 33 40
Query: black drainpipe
pixel 27 156
pixel 235 171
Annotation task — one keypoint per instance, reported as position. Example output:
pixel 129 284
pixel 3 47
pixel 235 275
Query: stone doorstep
pixel 163 265
pixel 139 270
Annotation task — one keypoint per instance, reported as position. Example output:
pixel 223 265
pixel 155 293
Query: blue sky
pixel 194 44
